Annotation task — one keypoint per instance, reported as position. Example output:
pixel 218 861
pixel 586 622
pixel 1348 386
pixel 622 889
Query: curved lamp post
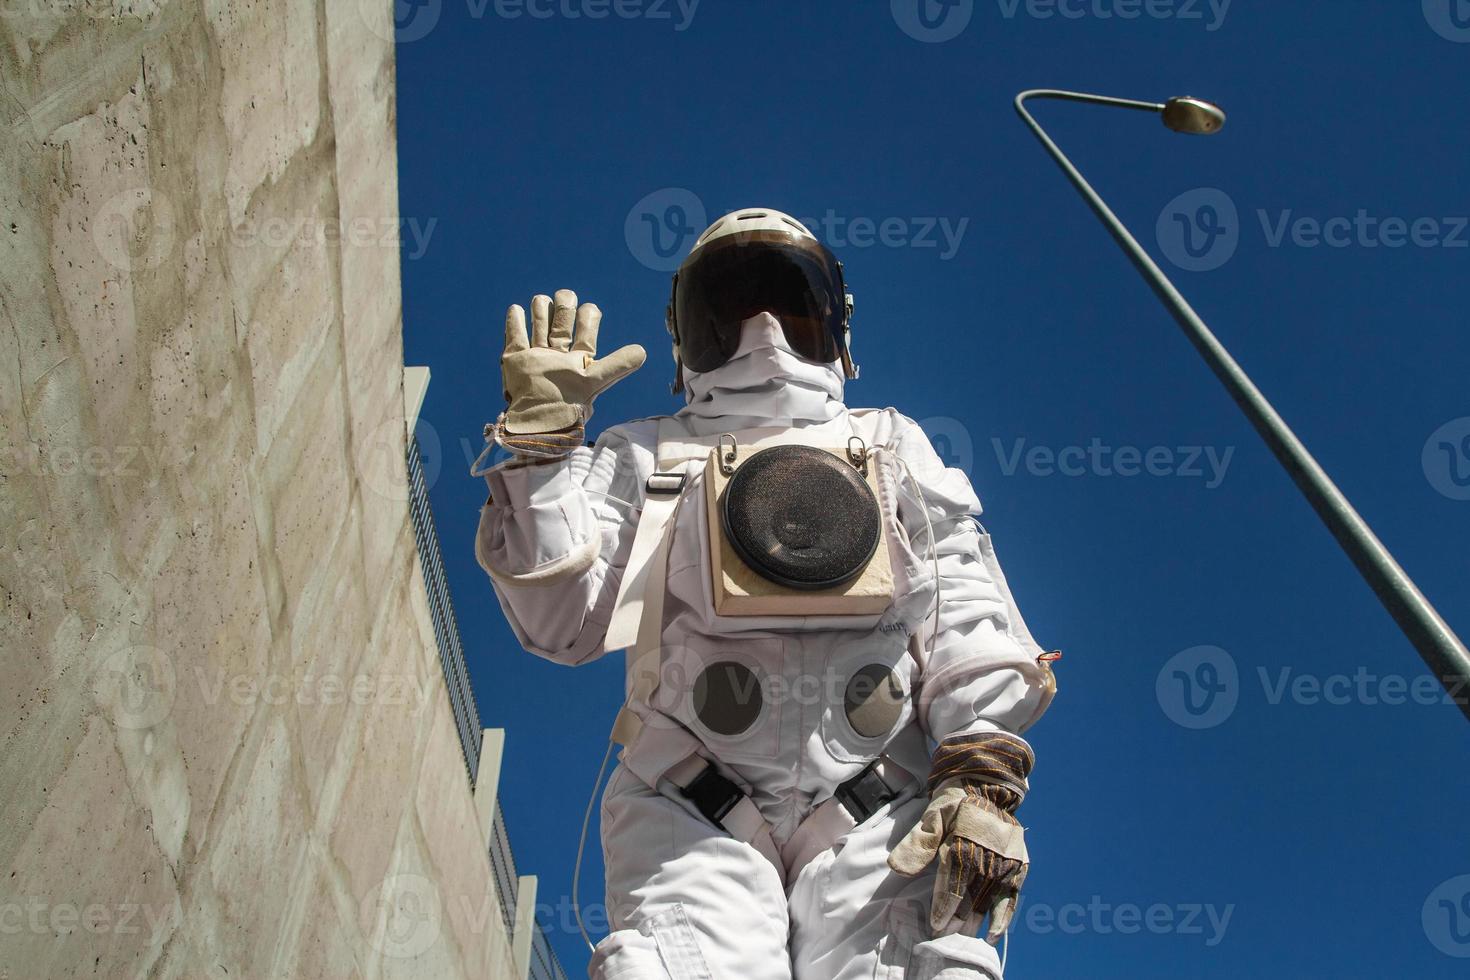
pixel 1441 649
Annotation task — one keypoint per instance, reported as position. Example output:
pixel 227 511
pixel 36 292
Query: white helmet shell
pixel 752 219
pixel 766 222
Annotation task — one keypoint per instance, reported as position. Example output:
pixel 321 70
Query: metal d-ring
pixel 858 457
pixel 727 459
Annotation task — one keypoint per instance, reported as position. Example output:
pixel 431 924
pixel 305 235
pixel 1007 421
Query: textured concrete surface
pixel 225 744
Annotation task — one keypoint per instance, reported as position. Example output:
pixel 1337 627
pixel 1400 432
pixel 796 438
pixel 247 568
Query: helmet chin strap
pixel 678 385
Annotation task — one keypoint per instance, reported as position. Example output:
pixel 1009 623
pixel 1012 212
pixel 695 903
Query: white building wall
pixel 226 747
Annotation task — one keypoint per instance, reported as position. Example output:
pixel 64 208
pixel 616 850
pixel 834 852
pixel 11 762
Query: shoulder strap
pixel 681 448
pixel 660 499
pixel 644 656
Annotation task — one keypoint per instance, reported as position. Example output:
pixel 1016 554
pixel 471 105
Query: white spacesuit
pixel 764 820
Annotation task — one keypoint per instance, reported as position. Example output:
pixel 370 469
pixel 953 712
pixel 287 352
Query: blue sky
pixel 1294 822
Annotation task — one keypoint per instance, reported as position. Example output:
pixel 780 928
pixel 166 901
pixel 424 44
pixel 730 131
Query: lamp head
pixel 1186 114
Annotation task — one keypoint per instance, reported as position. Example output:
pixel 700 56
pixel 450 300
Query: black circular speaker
pixel 801 517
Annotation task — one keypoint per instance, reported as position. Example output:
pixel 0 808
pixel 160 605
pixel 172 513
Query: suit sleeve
pixel 979 670
pixel 555 537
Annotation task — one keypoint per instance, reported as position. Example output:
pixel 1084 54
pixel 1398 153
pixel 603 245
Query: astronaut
pixel 821 740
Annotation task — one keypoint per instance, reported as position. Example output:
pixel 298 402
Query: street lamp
pixel 1441 649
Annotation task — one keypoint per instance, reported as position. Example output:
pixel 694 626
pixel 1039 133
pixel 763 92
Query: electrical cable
pixel 582 844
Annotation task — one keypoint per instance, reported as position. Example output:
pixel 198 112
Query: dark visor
pixel 798 281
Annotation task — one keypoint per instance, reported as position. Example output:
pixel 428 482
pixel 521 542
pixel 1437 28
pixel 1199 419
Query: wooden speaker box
pixel 804 515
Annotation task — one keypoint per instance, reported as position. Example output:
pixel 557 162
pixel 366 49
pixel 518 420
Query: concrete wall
pixel 225 744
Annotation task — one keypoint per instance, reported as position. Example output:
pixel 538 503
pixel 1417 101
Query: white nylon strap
pixel 745 823
pixel 645 654
pixel 683 772
pixel 633 592
pixel 825 825
pixel 820 830
pixel 676 448
pixel 668 751
pixel 663 749
pixel 673 454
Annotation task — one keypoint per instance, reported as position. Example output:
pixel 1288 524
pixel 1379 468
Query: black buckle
pixel 865 794
pixel 666 483
pixel 712 795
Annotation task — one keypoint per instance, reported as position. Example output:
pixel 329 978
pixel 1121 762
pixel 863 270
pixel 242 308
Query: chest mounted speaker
pixel 800 531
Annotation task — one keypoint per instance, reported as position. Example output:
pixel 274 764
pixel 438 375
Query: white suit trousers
pixel 688 902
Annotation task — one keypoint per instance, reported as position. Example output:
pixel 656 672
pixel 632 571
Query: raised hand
pixel 552 376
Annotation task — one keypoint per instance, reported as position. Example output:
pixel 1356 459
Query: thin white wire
pixel 933 552
pixel 476 470
pixel 582 844
pixel 604 493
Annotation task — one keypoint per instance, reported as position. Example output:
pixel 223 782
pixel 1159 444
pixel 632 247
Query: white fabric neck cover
pixel 765 383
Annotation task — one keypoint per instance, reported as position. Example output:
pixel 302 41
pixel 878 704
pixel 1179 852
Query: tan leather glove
pixel 551 379
pixel 975 784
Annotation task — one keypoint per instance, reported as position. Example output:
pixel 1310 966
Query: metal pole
pixel 1441 649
